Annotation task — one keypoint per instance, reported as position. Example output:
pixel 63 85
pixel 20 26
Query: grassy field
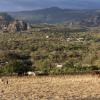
pixel 84 87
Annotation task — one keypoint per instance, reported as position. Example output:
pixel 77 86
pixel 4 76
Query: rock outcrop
pixel 3 24
pixel 18 26
pixel 5 19
pixel 13 26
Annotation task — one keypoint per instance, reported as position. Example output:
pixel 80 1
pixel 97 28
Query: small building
pixel 47 37
pixel 30 73
pixel 80 39
pixel 59 65
pixel 68 39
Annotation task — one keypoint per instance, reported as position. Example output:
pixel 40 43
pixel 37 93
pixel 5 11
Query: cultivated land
pixel 84 87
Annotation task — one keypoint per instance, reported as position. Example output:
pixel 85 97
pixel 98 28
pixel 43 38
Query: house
pixel 68 39
pixel 30 73
pixel 80 39
pixel 59 65
pixel 47 37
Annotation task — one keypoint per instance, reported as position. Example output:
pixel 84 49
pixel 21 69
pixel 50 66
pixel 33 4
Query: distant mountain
pixel 58 15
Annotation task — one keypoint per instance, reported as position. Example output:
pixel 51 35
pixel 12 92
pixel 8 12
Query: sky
pixel 21 5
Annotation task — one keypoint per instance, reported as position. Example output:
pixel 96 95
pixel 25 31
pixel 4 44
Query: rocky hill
pixel 9 24
pixel 5 19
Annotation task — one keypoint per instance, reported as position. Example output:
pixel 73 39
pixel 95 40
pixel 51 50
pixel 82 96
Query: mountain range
pixel 56 15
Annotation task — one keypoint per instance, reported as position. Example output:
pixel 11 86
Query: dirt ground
pixel 50 88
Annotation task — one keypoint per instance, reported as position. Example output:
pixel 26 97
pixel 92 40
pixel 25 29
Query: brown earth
pixel 50 88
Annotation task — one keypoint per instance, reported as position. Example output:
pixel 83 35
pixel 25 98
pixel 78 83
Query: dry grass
pixel 51 88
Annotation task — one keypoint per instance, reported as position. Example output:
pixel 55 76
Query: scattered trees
pixel 20 53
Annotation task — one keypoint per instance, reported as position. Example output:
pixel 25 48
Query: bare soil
pixel 84 87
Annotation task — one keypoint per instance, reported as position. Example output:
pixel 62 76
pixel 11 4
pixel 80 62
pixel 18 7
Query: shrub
pixel 15 67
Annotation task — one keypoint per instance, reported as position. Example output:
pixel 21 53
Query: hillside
pixel 58 15
pixel 50 49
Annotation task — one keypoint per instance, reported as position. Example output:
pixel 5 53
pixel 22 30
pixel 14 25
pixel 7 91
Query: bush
pixel 15 67
pixel 95 68
pixel 44 66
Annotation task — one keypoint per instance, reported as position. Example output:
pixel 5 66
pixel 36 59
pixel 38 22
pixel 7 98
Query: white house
pixel 59 65
pixel 30 73
pixel 47 37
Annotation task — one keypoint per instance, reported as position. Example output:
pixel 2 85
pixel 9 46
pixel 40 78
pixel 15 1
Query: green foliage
pixel 34 52
pixel 15 67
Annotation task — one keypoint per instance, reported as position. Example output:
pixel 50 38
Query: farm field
pixel 85 87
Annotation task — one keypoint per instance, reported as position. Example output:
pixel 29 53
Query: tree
pixel 15 67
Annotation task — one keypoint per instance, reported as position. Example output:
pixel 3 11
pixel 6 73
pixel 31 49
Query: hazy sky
pixel 16 5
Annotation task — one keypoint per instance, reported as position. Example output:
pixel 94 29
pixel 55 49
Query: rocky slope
pixel 8 24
